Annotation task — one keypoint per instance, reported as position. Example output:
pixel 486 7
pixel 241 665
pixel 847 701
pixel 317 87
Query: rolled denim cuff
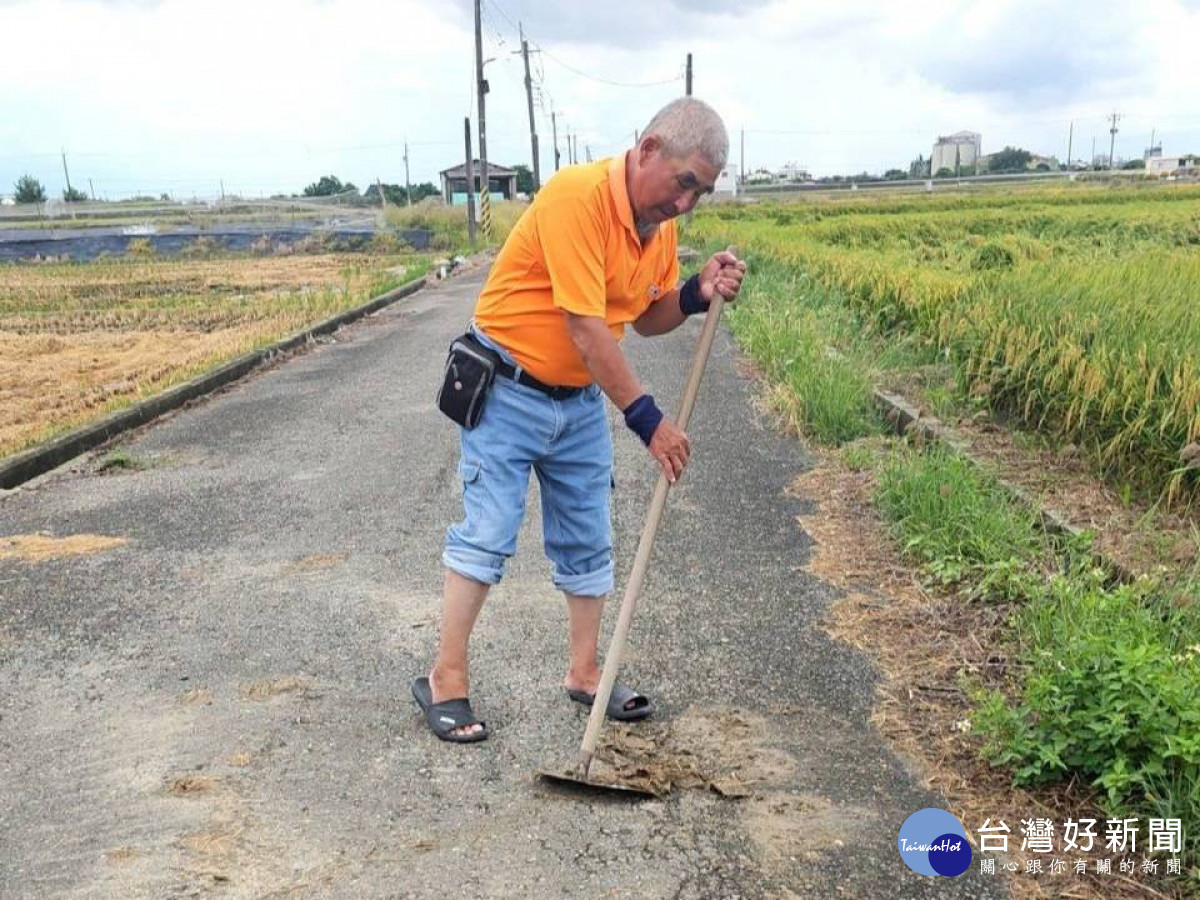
pixel 596 583
pixel 486 568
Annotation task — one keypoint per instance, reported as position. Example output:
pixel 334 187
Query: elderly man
pixel 594 252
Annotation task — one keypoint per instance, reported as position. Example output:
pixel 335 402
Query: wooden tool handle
pixel 612 661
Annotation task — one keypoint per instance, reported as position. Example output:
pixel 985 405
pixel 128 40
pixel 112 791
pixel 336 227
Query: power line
pixel 610 82
pixel 579 72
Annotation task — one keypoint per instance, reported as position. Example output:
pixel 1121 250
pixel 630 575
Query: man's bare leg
pixel 462 599
pixel 583 620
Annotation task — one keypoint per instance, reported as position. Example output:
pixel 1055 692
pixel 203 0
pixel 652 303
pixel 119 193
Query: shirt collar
pixel 616 184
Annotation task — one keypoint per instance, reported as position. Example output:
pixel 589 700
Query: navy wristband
pixel 642 416
pixel 690 301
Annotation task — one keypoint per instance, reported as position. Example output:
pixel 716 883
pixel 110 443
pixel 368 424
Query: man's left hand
pixel 722 273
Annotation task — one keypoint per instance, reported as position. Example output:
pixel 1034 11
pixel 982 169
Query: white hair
pixel 686 126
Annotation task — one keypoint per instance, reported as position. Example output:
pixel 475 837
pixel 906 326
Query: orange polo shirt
pixel 577 249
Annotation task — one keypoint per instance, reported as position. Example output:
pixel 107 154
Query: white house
pixel 793 172
pixel 1173 165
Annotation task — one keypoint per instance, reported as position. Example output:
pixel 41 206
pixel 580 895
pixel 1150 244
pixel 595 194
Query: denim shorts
pixel 568 445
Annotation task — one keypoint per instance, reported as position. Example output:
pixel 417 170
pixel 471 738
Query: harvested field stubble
pixel 78 340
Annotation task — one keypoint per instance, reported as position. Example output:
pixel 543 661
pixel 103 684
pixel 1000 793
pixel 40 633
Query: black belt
pixel 556 392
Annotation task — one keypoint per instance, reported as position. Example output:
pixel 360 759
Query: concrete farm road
pixel 218 706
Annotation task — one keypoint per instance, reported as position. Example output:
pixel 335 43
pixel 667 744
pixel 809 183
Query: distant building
pixel 726 185
pixel 502 182
pixel 792 172
pixel 957 152
pixel 1173 165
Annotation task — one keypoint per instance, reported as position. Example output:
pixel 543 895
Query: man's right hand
pixel 671 448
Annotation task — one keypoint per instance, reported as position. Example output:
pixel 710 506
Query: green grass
pixel 963 527
pixel 1107 685
pixel 449 223
pixel 120 460
pixel 788 331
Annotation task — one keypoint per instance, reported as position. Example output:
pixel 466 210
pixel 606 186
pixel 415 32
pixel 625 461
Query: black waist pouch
pixel 470 370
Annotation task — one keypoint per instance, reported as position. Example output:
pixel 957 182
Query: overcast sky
pixel 148 96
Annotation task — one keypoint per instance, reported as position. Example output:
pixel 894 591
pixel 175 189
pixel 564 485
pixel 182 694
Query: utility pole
pixel 407 183
pixel 470 181
pixel 554 130
pixel 66 174
pixel 1070 138
pixel 382 198
pixel 533 138
pixel 574 149
pixel 92 188
pixel 689 75
pixel 587 149
pixel 485 191
pixel 1112 144
pixel 1093 159
pixel 222 190
pixel 742 164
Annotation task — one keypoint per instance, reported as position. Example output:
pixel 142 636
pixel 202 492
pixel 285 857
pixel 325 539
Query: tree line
pixel 29 189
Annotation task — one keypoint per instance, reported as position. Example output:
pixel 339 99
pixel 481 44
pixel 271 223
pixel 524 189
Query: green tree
pixel 895 175
pixel 1010 159
pixel 944 172
pixel 29 190
pixel 1135 164
pixel 395 194
pixel 524 179
pixel 74 195
pixel 423 190
pixel 328 186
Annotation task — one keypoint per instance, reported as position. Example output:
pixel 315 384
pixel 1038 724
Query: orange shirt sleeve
pixel 571 232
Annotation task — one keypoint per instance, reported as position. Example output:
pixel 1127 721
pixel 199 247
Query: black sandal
pixel 619 707
pixel 443 718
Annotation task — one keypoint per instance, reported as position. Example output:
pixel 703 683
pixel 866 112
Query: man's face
pixel 664 186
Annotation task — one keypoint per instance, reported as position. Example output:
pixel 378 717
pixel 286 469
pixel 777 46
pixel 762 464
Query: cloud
pixel 271 94
pixel 1038 55
pixel 615 24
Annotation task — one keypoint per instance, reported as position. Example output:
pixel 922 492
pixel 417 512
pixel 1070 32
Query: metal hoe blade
pixel 599 777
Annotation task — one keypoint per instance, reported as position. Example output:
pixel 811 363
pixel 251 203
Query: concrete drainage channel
pixel 38 460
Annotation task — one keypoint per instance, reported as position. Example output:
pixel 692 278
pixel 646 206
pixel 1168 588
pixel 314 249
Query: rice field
pixel 78 340
pixel 1075 309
